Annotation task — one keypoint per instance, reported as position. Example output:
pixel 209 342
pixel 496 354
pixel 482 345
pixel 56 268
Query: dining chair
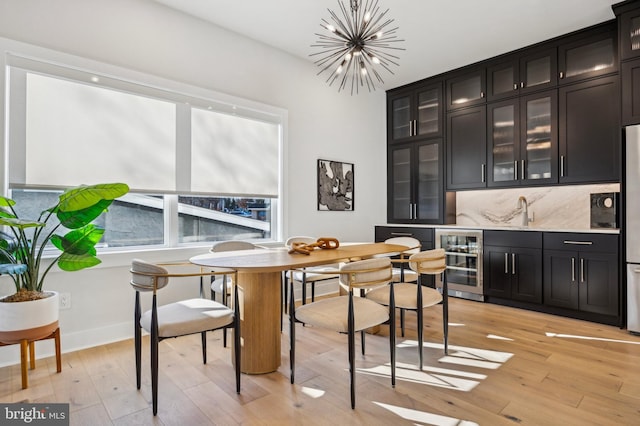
pixel 221 282
pixel 417 297
pixel 349 314
pixel 401 272
pixel 190 316
pixel 305 276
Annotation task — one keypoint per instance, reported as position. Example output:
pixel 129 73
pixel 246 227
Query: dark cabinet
pixel 586 56
pixel 530 70
pixel 416 186
pixel 424 235
pixel 628 14
pixel 581 272
pixel 415 113
pixel 466 89
pixel 589 139
pixel 513 265
pixel 630 77
pixel 522 140
pixel 466 148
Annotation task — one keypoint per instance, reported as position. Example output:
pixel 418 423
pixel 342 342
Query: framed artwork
pixel 335 186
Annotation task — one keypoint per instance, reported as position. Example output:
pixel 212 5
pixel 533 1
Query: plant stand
pixel 29 345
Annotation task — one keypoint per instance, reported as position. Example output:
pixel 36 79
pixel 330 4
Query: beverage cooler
pixel 463 249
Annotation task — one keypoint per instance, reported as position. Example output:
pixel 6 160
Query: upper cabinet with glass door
pixel 585 57
pixel 528 71
pixel 629 28
pixel 414 112
pixel 466 89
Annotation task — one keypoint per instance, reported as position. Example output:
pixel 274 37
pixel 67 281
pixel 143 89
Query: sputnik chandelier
pixel 356 45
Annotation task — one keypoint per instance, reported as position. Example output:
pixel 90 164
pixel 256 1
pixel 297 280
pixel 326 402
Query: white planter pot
pixel 30 320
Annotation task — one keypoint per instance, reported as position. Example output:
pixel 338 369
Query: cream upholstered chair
pixel 349 314
pixel 417 297
pixel 221 282
pixel 176 319
pixel 401 271
pixel 308 275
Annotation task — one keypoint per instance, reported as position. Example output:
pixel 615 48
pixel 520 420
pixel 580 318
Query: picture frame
pixel 335 185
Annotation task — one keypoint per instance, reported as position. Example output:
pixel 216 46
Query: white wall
pixel 144 36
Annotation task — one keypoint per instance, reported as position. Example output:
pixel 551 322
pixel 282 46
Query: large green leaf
pixel 84 196
pixel 76 262
pixel 6 202
pixel 20 223
pixel 79 241
pixel 78 218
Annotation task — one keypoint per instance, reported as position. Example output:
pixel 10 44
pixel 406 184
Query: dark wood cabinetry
pixel 588 55
pixel 416 185
pixel 415 112
pixel 513 265
pixel 581 274
pixel 590 131
pixel 628 14
pixel 466 148
pixel 467 88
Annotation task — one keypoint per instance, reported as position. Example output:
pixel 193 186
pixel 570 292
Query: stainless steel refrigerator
pixel 632 225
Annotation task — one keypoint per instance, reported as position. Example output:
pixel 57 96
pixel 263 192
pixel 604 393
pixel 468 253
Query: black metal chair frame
pixel 155 338
pixel 351 330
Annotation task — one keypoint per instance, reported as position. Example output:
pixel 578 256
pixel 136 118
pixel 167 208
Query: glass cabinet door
pixel 504 139
pixel 429 111
pixel 538 70
pixel 630 34
pixel 503 80
pixel 401 120
pixel 401 183
pixel 538 155
pixel 466 90
pixel 429 181
pixel 588 58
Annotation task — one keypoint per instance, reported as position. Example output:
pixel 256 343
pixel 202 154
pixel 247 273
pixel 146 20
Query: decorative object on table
pixel 307 248
pixel 31 314
pixel 335 186
pixel 356 45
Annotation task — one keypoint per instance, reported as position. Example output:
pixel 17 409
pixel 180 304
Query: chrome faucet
pixel 524 205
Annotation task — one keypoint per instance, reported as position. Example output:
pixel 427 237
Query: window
pixel 199 169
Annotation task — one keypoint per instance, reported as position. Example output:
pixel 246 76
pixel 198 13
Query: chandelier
pixel 356 46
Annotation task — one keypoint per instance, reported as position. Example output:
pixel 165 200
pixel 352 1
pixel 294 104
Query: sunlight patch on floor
pixel 437 377
pixel 571 336
pixel 313 393
pixel 421 417
pixel 493 336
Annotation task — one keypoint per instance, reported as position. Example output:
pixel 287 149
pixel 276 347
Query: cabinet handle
pixel 561 74
pixel 522 170
pixel 415 128
pixel 562 166
pixel 522 84
pixel 482 172
pixel 578 243
pixel 573 269
pixel 581 270
pixel 513 263
pixel 506 263
pixel 515 86
pixel 481 95
pixel 410 211
pixel 415 210
pixel 402 234
pixel 515 170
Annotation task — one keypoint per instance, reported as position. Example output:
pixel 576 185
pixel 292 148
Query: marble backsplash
pixel 557 207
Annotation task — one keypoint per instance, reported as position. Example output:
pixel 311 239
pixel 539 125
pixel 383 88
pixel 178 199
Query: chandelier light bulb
pixel 356 32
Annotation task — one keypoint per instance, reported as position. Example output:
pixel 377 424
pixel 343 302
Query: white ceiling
pixel 439 35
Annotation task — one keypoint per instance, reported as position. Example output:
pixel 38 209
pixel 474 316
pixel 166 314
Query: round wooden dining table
pixel 259 285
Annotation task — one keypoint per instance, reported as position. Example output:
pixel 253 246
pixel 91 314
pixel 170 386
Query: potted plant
pixel 23 248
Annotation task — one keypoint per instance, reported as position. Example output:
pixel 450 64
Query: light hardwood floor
pixel 504 368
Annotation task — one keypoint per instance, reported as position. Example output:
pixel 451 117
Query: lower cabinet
pixel 581 272
pixel 424 235
pixel 570 274
pixel 513 265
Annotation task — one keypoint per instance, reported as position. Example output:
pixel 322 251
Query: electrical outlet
pixel 65 300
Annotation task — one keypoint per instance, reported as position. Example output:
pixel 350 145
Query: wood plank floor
pixel 506 366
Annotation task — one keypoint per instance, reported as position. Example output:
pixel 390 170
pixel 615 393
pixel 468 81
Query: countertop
pixel 508 228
